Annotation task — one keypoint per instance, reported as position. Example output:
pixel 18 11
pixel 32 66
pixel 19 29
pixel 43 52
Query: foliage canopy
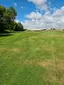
pixel 7 20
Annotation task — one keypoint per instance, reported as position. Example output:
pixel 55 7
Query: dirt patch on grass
pixel 44 63
pixel 55 73
pixel 60 64
pixel 54 70
pixel 48 48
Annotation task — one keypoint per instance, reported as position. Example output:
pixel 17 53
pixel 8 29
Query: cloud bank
pixel 37 20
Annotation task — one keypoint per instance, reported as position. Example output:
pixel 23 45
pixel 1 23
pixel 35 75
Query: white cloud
pixel 59 12
pixel 34 15
pixel 48 20
pixel 38 2
pixel 15 4
pixel 41 4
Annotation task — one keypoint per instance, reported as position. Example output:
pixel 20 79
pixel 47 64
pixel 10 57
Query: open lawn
pixel 32 58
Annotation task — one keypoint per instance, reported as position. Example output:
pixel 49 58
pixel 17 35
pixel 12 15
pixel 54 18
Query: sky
pixel 38 14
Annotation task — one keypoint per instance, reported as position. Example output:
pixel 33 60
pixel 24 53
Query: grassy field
pixel 32 58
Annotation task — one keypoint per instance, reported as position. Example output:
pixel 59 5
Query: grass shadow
pixel 5 34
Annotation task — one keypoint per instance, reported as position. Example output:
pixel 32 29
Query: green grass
pixel 32 58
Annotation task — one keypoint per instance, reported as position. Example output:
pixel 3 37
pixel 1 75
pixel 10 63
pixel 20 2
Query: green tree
pixel 19 27
pixel 10 15
pixel 13 13
pixel 7 20
pixel 2 18
pixel 7 17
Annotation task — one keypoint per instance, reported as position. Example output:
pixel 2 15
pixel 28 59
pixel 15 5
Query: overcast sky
pixel 38 14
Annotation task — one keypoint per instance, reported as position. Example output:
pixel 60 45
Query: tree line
pixel 7 20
